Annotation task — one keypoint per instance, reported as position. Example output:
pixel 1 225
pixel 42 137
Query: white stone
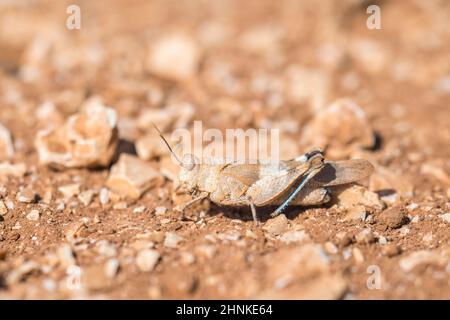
pixel 147 259
pixel 104 196
pixel 33 215
pixel 69 190
pixel 3 208
pixel 85 197
pixel 160 210
pixel 6 144
pixel 422 257
pixel 294 236
pixel 174 56
pixel 111 267
pixel 139 210
pixel 131 177
pixel 65 255
pixel 15 170
pixel 172 239
pixel 87 139
pixel 445 217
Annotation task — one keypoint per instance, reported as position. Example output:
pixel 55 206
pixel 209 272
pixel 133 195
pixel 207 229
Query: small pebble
pixel 412 206
pixel 390 199
pixel 250 234
pixel 65 255
pixel 87 139
pixel 48 195
pixel 343 239
pixel 69 190
pixel 160 210
pixel 3 191
pixel 131 177
pixel 294 236
pixel 3 208
pixel 120 205
pixel 390 250
pixel 358 255
pixel 428 238
pixel 15 170
pixel 33 215
pixel 60 207
pixel 104 196
pixel 172 239
pixel 330 247
pixel 205 251
pixel 382 240
pixel 356 213
pixel 187 258
pixel 139 210
pixel 111 267
pixel 10 204
pixel 165 221
pixel 366 236
pixel 27 195
pixel 147 259
pixel 445 217
pixel 276 226
pixel 85 197
pixel 393 218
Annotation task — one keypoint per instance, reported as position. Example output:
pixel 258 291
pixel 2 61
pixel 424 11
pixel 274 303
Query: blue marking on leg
pixel 286 203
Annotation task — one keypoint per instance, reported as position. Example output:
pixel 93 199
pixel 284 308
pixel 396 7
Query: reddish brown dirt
pixel 399 75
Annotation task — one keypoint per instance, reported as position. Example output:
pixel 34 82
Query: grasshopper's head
pixel 188 175
pixel 189 166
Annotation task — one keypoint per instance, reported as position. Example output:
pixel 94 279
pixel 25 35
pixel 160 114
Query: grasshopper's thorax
pixel 201 178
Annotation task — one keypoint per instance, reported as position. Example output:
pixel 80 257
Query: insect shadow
pixel 264 213
pixel 325 176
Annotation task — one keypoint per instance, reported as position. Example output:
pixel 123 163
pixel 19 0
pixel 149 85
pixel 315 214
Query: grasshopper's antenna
pixel 167 144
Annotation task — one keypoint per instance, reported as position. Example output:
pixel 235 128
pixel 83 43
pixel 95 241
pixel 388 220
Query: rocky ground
pixel 87 188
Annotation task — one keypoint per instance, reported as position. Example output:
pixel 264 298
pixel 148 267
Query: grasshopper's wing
pixel 247 174
pixel 343 172
pixel 266 182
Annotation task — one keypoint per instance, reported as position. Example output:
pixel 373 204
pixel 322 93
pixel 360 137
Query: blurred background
pixel 258 63
pixel 253 64
pixel 313 69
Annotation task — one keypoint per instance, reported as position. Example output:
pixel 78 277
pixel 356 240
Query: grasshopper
pixel 302 181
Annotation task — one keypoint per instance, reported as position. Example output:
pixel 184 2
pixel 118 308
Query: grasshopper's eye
pixel 189 161
pixel 315 158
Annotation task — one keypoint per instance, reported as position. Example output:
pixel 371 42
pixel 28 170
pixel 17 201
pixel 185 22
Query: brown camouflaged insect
pixel 302 181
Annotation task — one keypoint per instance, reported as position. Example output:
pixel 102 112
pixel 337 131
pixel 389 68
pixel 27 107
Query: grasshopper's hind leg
pixel 294 194
pixel 253 208
pixel 255 217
